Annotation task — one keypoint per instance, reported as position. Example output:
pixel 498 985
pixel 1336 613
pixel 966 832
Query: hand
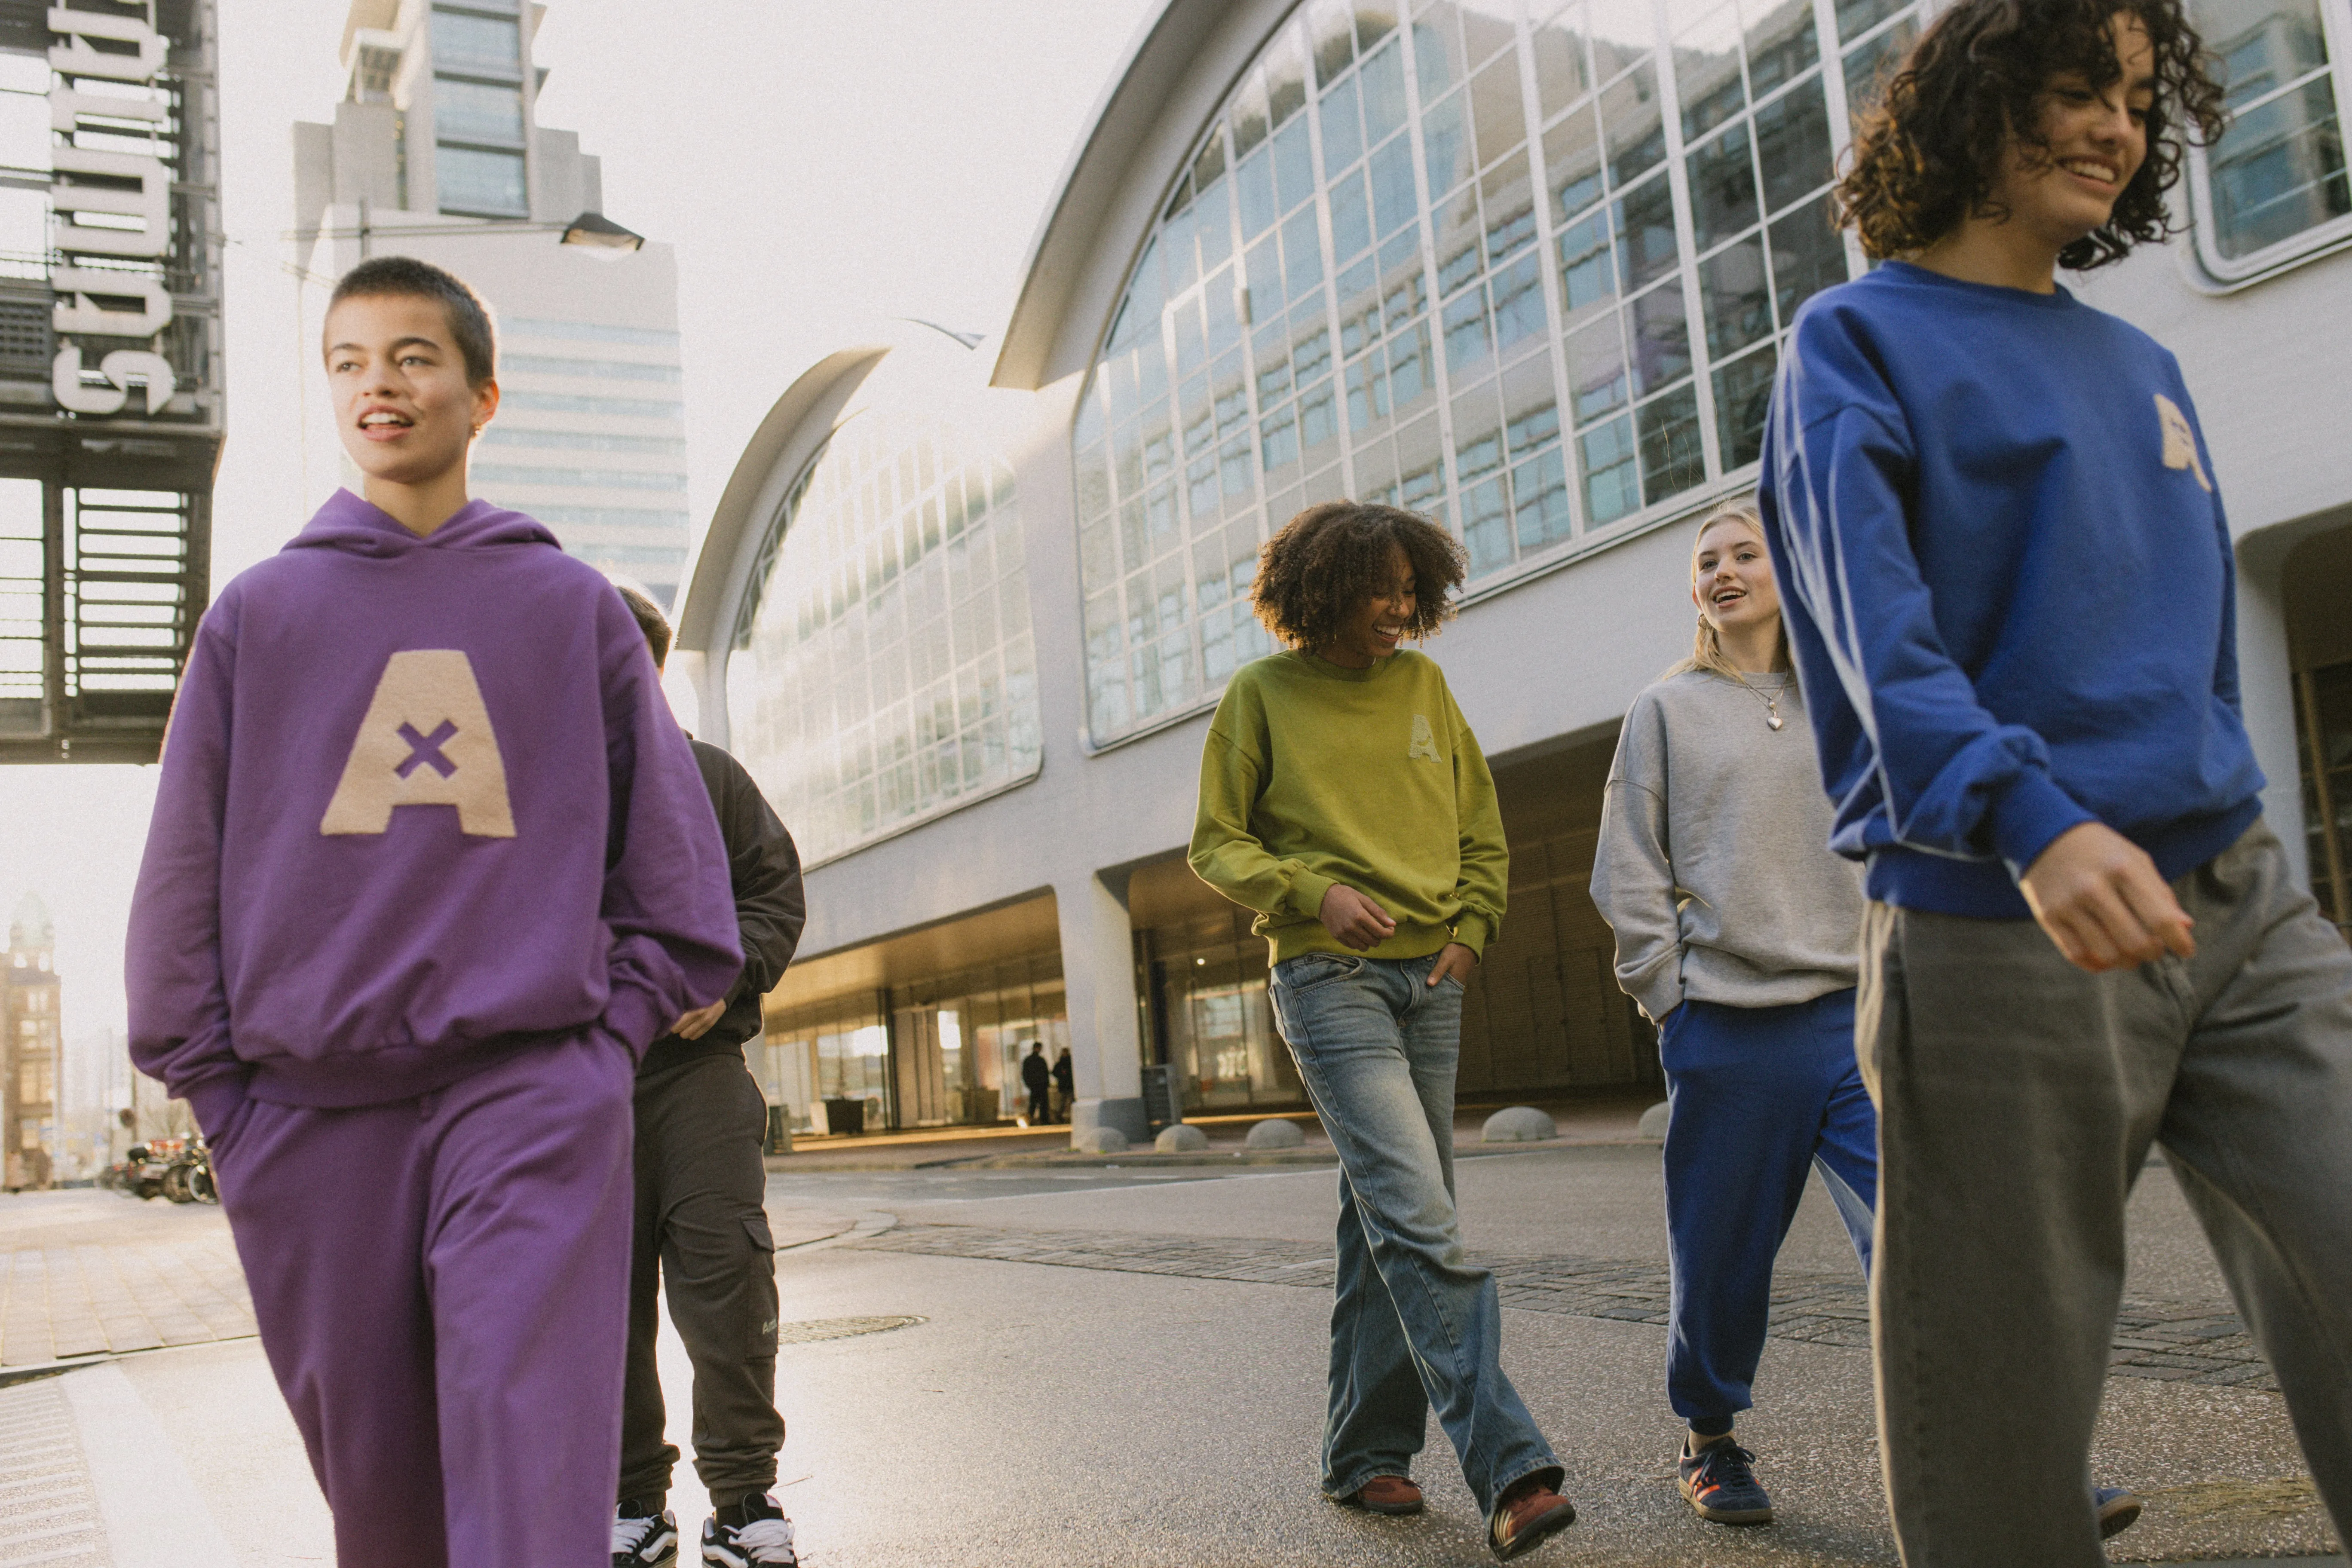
pixel 1355 919
pixel 1456 960
pixel 2101 899
pixel 696 1024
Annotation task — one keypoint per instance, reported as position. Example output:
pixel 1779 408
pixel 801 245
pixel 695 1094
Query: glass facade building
pixel 882 668
pixel 1523 269
pixel 1528 266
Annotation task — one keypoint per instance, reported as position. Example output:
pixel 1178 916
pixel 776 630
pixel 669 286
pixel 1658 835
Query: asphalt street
pixel 1110 1366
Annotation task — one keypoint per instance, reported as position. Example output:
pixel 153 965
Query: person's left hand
pixel 696 1024
pixel 1456 960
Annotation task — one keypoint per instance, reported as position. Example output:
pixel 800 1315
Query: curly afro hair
pixel 1929 156
pixel 1331 558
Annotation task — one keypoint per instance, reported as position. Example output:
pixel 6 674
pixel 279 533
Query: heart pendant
pixel 1773 720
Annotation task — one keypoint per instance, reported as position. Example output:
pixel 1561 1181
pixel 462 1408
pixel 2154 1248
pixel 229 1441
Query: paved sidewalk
pixel 2189 1341
pixel 85 1272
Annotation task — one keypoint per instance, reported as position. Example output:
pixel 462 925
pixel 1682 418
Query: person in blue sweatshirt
pixel 2007 578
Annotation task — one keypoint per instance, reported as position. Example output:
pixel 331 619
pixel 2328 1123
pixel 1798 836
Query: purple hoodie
pixel 299 938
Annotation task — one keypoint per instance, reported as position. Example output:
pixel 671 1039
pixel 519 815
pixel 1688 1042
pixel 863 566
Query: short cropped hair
pixel 1926 158
pixel 650 619
pixel 399 277
pixel 1330 559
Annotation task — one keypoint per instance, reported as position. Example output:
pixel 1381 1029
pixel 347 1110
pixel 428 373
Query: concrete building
pixel 436 151
pixel 1525 267
pixel 29 1041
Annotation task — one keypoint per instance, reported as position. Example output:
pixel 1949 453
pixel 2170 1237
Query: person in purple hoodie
pixel 431 863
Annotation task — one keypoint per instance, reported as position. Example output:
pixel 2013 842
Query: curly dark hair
pixel 1330 559
pixel 1928 156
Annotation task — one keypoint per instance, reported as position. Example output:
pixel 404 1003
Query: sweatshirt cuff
pixel 2027 815
pixel 1306 890
pixel 214 1103
pixel 1473 932
pixel 637 1016
pixel 1663 994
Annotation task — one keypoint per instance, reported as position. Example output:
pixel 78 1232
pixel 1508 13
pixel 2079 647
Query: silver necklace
pixel 1771 703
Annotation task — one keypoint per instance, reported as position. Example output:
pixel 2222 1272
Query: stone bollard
pixel 1180 1139
pixel 1653 1123
pixel 1519 1124
pixel 1100 1140
pixel 1275 1133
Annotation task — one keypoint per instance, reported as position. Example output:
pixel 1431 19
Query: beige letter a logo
pixel 427 740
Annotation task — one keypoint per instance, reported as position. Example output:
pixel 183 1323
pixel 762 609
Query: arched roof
pixel 1177 70
pixel 800 419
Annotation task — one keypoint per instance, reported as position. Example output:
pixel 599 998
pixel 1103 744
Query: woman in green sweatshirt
pixel 1344 798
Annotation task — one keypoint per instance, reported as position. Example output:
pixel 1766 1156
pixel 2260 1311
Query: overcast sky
pixel 818 165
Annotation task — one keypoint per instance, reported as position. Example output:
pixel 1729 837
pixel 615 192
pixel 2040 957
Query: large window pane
pixel 1737 297
pixel 477 111
pixel 2279 169
pixel 1671 457
pixel 1808 256
pixel 2263 45
pixel 1792 145
pixel 482 183
pixel 459 40
pixel 1722 189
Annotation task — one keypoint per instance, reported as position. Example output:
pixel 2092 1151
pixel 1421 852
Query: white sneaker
pixel 639 1541
pixel 762 1544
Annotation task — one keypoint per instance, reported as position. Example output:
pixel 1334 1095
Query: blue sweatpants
pixel 1756 1097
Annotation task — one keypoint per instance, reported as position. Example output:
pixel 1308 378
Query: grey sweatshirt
pixel 1713 866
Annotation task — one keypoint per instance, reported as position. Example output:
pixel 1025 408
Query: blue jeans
pixel 1413 1325
pixel 1758 1096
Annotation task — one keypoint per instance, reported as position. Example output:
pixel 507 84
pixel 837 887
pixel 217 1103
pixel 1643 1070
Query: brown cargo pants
pixel 702 1235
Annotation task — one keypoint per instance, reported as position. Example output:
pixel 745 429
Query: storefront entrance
pixel 922 1030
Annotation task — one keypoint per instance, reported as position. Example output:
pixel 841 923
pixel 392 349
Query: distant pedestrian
pixel 431 863
pixel 1037 1076
pixel 1344 798
pixel 701 1238
pixel 2010 586
pixel 1065 1084
pixel 1736 931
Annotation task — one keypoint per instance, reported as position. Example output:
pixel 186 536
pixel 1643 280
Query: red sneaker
pixel 1385 1494
pixel 1528 1514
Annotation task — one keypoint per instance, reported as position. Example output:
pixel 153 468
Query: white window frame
pixel 2335 31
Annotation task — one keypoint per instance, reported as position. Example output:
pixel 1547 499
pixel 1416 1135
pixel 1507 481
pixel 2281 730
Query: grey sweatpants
pixel 702 1234
pixel 2017 1099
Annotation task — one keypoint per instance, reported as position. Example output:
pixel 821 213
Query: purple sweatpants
pixel 443 1288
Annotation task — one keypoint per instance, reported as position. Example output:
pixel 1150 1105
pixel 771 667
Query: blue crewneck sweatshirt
pixel 2007 582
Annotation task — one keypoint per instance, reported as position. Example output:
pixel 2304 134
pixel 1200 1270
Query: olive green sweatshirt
pixel 1315 774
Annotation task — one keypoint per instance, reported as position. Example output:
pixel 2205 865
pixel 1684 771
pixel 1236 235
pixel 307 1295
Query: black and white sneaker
pixel 764 1542
pixel 644 1540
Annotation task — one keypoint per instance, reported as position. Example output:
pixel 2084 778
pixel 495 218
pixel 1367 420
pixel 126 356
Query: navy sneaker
pixel 763 1541
pixel 2118 1510
pixel 1719 1479
pixel 643 1539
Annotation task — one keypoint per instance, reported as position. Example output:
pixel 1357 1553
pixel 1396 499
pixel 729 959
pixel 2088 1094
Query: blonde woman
pixel 1737 933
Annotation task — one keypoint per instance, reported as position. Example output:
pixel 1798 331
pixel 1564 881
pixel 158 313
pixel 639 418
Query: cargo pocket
pixel 762 1297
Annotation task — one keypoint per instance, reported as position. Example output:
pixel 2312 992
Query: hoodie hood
pixel 361 528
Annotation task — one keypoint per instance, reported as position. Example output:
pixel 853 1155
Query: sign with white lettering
pixel 113 205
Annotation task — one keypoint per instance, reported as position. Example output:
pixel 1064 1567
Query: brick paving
pixel 49 1508
pixel 89 1273
pixel 2174 1342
